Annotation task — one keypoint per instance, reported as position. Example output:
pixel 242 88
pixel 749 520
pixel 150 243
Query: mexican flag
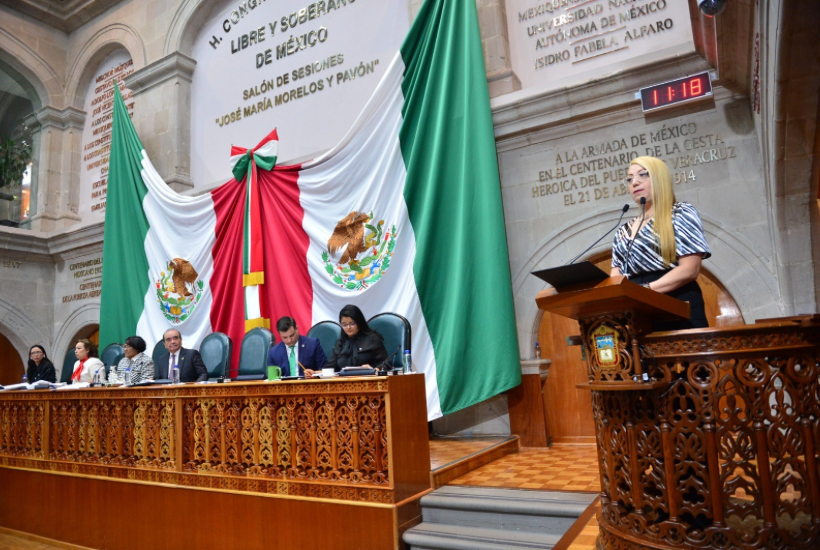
pixel 403 215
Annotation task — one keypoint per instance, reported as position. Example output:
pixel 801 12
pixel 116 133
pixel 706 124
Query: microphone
pixel 388 361
pixel 96 372
pixel 635 238
pixel 623 211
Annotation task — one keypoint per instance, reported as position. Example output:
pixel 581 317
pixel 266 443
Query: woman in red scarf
pixel 87 363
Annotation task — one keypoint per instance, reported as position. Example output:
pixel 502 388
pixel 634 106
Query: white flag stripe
pixel 180 227
pixel 269 149
pixel 353 176
pixel 252 307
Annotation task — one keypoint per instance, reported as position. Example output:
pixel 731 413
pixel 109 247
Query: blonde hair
pixel 663 197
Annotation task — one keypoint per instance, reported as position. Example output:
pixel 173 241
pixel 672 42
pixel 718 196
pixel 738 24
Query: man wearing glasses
pixel 296 355
pixel 188 361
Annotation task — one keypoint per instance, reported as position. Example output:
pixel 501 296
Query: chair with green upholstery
pixel 327 332
pixel 111 356
pixel 159 349
pixel 253 354
pixel 396 332
pixel 68 366
pixel 216 354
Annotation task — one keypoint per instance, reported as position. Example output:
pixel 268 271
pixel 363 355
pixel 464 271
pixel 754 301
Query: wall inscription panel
pixel 560 184
pixel 96 144
pixel 558 43
pixel 305 68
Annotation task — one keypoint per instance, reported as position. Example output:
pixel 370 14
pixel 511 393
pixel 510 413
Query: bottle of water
pixel 537 350
pixel 126 377
pixel 96 380
pixel 408 362
pixel 176 375
pixel 25 379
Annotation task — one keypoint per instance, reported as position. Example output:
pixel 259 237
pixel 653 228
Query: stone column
pixel 55 179
pixel 162 116
pixel 495 43
pixel 492 20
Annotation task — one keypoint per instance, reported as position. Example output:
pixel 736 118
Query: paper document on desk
pixel 74 386
pixel 16 387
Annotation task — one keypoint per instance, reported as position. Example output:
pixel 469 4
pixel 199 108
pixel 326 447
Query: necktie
pixel 172 366
pixel 292 361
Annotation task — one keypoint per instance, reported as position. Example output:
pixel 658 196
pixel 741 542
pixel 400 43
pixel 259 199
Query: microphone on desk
pixel 94 378
pixel 635 238
pixel 623 211
pixel 389 361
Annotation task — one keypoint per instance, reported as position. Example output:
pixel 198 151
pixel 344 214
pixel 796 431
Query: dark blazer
pixel 191 366
pixel 44 372
pixel 311 355
pixel 362 349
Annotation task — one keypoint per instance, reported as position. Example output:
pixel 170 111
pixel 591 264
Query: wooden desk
pixel 308 464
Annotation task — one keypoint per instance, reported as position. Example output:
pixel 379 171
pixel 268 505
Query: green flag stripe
pixel 453 198
pixel 125 267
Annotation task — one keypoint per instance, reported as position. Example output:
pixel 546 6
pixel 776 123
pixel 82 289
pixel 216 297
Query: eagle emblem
pixel 179 290
pixel 366 247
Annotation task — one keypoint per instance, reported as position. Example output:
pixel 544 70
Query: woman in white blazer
pixel 87 362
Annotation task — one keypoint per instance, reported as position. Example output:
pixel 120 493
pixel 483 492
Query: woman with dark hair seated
pixel 142 366
pixel 39 367
pixel 87 363
pixel 359 345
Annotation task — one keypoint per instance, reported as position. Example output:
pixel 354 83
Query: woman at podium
pixel 662 249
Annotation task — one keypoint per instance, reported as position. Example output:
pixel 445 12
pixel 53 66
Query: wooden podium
pixel 707 438
pixel 614 311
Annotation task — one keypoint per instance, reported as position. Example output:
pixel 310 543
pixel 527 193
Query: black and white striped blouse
pixel 645 255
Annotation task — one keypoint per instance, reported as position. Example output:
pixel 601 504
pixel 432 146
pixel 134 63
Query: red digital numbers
pixel 670 93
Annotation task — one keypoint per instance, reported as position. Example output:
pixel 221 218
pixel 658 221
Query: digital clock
pixel 676 92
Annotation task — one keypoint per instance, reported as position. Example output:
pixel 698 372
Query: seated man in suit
pixel 296 355
pixel 191 366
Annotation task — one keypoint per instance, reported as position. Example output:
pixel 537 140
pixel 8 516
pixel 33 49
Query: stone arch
pixel 104 42
pixel 745 272
pixel 188 20
pixel 21 330
pixel 83 316
pixel 44 85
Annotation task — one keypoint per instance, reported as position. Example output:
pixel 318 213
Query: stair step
pixel 436 536
pixel 510 510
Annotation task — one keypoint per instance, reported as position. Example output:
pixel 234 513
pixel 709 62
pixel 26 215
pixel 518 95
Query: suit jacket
pixel 45 371
pixel 362 349
pixel 191 366
pixel 310 354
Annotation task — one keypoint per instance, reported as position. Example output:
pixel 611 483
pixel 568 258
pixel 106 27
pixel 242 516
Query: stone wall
pixel 560 159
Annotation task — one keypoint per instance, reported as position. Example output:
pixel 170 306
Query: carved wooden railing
pixel 723 451
pixel 707 438
pixel 322 439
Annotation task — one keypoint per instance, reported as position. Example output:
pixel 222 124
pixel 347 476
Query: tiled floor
pixel 587 537
pixel 558 468
pixel 9 542
pixel 448 450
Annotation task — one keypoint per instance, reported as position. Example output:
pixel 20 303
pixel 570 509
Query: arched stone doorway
pixel 11 366
pixel 569 409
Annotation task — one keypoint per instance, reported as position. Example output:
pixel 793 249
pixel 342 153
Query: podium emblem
pixel 605 343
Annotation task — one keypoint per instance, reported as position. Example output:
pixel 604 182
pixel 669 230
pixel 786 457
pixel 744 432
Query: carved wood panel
pixel 318 440
pixel 726 455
